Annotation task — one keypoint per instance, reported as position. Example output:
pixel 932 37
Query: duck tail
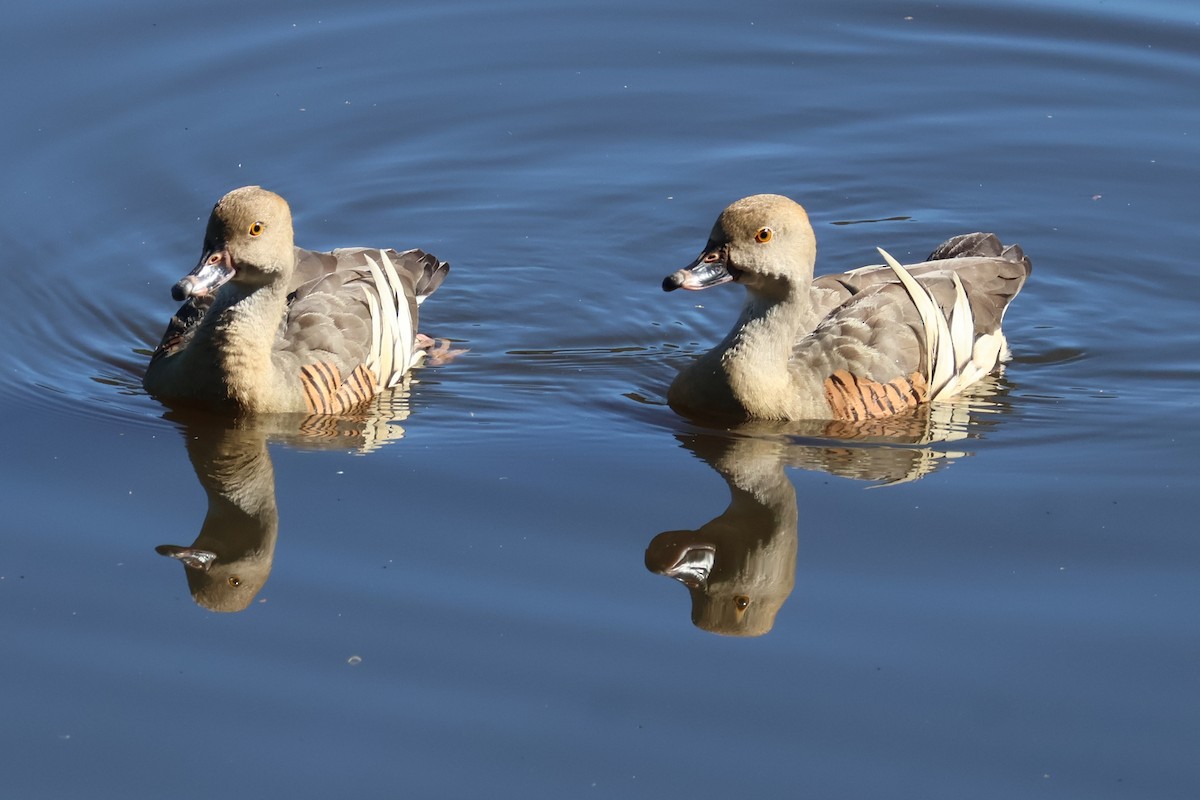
pixel 432 271
pixel 980 245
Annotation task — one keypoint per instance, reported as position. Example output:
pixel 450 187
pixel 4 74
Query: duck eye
pixel 741 602
pixel 764 235
pixel 234 581
pixel 256 229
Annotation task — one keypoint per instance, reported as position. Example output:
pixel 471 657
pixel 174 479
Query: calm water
pixel 460 595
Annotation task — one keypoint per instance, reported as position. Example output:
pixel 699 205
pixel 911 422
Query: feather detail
pixel 962 325
pixel 949 344
pixel 373 312
pixel 393 341
pixel 402 320
pixel 384 312
pixel 326 392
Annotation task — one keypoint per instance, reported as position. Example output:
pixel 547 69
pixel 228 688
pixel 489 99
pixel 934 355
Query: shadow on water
pixel 231 558
pixel 740 567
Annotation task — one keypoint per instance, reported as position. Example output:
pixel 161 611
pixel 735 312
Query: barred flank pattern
pixel 326 393
pixel 852 398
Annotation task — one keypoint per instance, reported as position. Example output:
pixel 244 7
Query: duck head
pixel 764 242
pixel 248 242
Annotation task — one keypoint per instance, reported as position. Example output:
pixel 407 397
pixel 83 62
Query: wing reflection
pixel 740 567
pixel 230 560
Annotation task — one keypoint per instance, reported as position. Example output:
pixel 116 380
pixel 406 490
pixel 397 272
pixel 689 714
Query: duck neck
pixel 758 349
pixel 246 325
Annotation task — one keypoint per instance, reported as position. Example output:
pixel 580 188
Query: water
pixel 456 601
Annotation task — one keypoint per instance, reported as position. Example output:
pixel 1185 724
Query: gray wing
pixel 977 257
pixel 877 351
pixel 357 307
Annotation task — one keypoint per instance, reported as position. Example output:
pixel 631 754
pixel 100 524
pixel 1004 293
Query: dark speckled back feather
pixel 181 327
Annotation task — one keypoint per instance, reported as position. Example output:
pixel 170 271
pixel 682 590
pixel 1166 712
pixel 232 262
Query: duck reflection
pixel 230 560
pixel 740 567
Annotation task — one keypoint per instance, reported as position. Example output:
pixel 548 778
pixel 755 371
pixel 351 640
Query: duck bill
pixel 677 555
pixel 693 566
pixel 214 271
pixel 192 557
pixel 710 269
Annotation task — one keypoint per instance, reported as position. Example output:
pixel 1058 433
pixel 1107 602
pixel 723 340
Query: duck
pixel 269 327
pixel 866 344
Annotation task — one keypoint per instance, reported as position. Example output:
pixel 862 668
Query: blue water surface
pixel 456 599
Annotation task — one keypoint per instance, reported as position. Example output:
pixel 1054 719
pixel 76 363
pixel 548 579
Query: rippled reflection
pixel 740 567
pixel 230 560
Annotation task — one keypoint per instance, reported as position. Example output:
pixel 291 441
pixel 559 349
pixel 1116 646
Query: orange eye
pixel 256 229
pixel 764 235
pixel 741 602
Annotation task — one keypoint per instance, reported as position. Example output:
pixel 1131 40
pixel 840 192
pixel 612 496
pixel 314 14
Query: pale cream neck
pixel 245 330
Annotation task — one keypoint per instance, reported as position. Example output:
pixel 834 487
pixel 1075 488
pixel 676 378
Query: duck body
pixel 268 327
pixel 863 344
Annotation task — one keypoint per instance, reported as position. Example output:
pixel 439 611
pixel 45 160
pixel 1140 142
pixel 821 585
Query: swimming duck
pixel 863 344
pixel 270 327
